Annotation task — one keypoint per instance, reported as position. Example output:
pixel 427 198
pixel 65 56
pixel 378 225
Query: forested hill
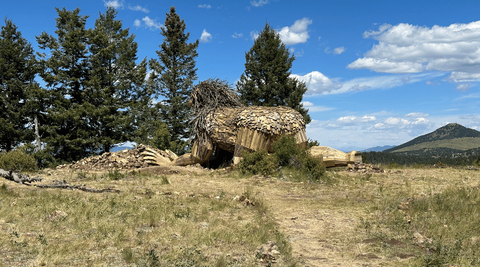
pixel 452 136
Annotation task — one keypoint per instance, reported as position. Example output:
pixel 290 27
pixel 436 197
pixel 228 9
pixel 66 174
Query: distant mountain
pixel 377 149
pixel 451 140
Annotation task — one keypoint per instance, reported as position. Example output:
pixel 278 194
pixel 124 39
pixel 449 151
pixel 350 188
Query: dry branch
pixel 19 177
pixel 64 185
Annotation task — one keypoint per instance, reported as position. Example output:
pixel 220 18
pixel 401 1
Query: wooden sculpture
pixel 222 123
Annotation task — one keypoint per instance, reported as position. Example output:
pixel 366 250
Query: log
pixel 19 177
pixel 64 185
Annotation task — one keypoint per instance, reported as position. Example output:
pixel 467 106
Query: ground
pixel 322 224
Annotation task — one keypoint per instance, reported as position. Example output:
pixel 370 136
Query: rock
pixel 267 252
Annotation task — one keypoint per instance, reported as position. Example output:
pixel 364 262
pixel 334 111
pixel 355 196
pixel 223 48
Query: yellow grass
pixel 191 217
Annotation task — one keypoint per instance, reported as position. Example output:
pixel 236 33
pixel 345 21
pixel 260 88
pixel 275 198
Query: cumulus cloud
pixel 339 50
pixel 317 83
pixel 297 33
pixel 205 6
pixel 205 37
pixel 406 48
pixel 137 23
pixel 150 23
pixel 114 3
pixel 138 8
pixel 258 3
pixel 237 35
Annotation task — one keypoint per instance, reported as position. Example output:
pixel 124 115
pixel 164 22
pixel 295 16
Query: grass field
pixel 197 217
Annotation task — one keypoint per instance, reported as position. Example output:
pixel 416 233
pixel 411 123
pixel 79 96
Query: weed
pixel 164 179
pixel 127 255
pixel 115 175
pixel 42 240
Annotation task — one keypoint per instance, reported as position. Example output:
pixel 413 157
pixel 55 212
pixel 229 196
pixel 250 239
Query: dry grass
pixel 189 217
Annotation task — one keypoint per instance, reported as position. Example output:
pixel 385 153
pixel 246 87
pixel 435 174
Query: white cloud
pixel 312 108
pixel 297 33
pixel 368 118
pixel 307 104
pixel 152 24
pixel 254 35
pixel 137 23
pixel 138 8
pixel 406 48
pixel 237 35
pixel 205 6
pixel 114 3
pixel 416 114
pixel 205 37
pixel 317 83
pixel 339 50
pixel 258 3
pixel 463 87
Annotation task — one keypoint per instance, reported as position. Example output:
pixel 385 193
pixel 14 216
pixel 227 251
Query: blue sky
pixel 378 72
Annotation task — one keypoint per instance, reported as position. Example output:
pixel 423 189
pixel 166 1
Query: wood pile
pixel 126 159
pixel 363 168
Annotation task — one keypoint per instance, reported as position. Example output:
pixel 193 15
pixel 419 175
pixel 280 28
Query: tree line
pixel 86 90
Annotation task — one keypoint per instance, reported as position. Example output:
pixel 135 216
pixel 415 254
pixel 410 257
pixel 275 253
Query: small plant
pixel 17 160
pixel 42 240
pixel 127 255
pixel 115 175
pixel 165 179
pixel 152 259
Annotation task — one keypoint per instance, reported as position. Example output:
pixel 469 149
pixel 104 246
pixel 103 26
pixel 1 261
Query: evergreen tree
pixel 116 81
pixel 18 69
pixel 173 76
pixel 266 80
pixel 65 72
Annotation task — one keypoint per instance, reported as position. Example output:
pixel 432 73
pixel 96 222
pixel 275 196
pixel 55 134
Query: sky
pixel 377 72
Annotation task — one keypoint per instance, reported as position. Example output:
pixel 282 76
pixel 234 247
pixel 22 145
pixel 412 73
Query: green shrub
pixel 289 154
pixel 17 160
pixel 285 149
pixel 258 162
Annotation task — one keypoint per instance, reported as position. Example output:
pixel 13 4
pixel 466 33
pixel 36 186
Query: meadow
pixel 177 216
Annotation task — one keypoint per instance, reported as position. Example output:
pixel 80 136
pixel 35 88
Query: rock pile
pixel 363 168
pixel 121 160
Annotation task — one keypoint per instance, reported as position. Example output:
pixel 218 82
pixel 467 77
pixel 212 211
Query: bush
pixel 258 162
pixel 289 154
pixel 17 160
pixel 285 149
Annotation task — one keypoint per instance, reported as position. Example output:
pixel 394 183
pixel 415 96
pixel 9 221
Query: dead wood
pixel 19 177
pixel 64 185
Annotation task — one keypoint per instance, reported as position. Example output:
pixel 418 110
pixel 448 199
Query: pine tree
pixel 266 80
pixel 173 76
pixel 65 72
pixel 18 68
pixel 116 81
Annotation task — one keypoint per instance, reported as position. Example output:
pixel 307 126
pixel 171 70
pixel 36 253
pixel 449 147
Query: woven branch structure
pixel 220 120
